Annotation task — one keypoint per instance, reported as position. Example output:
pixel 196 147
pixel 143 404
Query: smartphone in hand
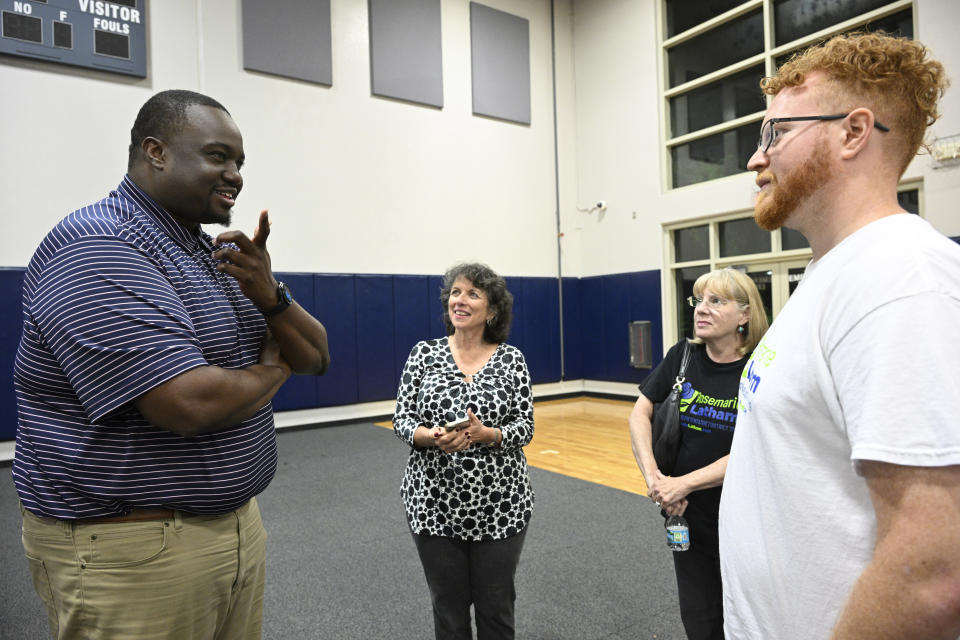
pixel 457 423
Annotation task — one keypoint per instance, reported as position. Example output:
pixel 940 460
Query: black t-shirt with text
pixel 708 414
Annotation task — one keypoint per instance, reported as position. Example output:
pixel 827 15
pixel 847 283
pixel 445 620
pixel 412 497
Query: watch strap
pixel 284 297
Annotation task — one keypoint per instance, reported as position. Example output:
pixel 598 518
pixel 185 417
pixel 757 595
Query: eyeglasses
pixel 713 302
pixel 769 135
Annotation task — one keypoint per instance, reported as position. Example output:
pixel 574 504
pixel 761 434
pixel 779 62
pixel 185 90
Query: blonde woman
pixel 729 321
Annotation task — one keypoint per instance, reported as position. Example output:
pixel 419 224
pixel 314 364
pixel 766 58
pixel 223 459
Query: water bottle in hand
pixel 678 533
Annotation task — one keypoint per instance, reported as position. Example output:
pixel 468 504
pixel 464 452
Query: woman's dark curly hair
pixel 499 299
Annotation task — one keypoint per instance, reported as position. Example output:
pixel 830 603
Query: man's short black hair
pixel 161 114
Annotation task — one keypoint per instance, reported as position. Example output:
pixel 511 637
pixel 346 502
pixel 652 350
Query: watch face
pixel 284 300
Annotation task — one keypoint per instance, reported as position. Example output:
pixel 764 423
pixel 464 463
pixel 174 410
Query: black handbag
pixel 665 426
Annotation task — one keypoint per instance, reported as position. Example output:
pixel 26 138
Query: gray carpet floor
pixel 341 564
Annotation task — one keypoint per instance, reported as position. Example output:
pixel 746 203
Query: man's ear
pixel 857 129
pixel 154 150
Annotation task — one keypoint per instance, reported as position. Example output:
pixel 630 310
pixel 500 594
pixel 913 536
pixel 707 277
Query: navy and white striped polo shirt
pixel 119 298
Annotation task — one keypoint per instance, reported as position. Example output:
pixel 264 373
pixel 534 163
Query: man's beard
pixel 782 199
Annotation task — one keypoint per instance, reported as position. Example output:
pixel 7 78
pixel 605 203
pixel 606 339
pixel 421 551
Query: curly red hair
pixel 893 77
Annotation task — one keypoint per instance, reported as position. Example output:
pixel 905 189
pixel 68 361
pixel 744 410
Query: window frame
pixel 767 57
pixel 778 260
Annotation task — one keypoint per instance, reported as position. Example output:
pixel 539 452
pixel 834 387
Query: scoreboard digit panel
pixel 107 35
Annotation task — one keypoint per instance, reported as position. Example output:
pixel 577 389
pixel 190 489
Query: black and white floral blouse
pixel 483 492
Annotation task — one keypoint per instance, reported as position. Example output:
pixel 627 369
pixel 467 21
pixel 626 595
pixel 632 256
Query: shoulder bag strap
pixel 678 384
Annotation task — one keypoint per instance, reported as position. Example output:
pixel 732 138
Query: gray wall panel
pixel 290 39
pixel 405 50
pixel 500 48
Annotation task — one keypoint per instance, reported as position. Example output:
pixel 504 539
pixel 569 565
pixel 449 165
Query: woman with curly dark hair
pixel 466 409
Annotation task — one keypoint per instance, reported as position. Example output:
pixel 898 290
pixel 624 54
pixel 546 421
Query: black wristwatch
pixel 285 298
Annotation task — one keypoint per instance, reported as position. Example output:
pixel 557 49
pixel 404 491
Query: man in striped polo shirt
pixel 149 356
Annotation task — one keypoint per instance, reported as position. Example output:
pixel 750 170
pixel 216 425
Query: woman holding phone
pixel 465 407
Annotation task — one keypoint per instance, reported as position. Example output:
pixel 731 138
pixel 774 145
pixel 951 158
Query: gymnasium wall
pixel 619 153
pixel 373 321
pixel 367 194
pixel 355 183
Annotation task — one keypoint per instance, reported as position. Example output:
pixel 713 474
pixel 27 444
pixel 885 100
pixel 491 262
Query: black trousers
pixel 460 573
pixel 698 582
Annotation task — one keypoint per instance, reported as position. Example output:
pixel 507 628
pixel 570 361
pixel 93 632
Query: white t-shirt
pixel 863 363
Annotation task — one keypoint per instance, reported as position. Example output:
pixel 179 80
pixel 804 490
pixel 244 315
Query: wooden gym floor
pixel 585 438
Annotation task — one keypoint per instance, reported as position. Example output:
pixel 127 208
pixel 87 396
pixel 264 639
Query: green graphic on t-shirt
pixel 706 413
pixel 762 357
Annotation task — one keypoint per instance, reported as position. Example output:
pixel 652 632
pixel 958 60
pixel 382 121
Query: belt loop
pixel 178 519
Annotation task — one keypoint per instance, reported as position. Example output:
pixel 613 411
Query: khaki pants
pixel 191 577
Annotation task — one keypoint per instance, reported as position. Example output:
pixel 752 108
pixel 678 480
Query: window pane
pixel 735 96
pixel 717 48
pixel 794 19
pixel 683 14
pixel 792 239
pixel 684 279
pixel 692 243
pixel 909 200
pixel 721 154
pixel 740 237
pixel 764 281
pixel 898 24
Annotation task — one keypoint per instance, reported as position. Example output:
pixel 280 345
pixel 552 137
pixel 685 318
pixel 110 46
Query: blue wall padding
pixel 608 304
pixel 299 392
pixel 376 379
pixel 522 307
pixel 541 320
pixel 373 321
pixel 437 326
pixel 572 330
pixel 335 299
pixel 536 325
pixel 615 333
pixel 411 322
pixel 591 327
pixel 645 304
pixel 11 325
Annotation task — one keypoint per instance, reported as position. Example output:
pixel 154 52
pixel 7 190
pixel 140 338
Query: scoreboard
pixel 97 34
